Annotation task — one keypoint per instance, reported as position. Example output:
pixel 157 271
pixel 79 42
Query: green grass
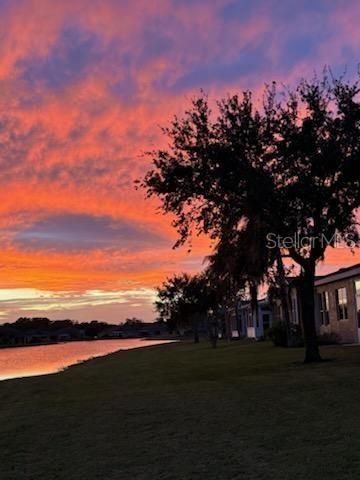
pixel 187 412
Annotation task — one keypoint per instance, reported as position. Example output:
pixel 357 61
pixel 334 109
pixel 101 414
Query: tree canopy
pixel 291 167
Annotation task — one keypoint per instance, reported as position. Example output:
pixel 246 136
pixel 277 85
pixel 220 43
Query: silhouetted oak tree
pixel 293 165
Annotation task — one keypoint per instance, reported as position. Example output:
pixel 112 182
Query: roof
pixel 343 273
pixel 261 302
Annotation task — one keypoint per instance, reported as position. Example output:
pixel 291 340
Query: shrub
pixel 277 334
pixel 328 339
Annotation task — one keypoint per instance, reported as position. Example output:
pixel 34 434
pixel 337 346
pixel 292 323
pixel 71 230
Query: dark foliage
pixel 292 167
pixel 278 334
pixel 184 301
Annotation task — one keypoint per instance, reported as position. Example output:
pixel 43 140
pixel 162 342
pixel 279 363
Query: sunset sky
pixel 85 87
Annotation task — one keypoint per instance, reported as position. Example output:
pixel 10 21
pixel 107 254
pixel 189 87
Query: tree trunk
pixel 254 304
pixel 213 330
pixel 195 327
pixel 284 297
pixel 307 289
pixel 228 331
pixel 238 320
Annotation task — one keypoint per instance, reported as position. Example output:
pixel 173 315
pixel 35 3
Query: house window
pixel 324 308
pixel 357 287
pixel 341 303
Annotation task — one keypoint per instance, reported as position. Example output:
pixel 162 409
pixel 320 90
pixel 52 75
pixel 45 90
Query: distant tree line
pixel 28 330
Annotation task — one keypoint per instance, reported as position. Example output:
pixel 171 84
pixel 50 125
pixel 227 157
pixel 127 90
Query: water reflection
pixel 41 360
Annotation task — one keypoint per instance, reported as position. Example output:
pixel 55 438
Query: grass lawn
pixel 187 412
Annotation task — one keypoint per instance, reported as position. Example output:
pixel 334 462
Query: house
pixel 112 332
pixel 293 303
pixel 338 304
pixel 68 333
pixel 37 337
pixel 236 328
pixel 136 330
pixel 255 325
pixel 337 307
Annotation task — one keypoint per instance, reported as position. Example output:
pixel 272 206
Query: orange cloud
pixel 85 89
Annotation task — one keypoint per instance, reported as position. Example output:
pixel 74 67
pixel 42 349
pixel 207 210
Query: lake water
pixel 20 362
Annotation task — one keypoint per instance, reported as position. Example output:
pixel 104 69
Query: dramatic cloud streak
pixel 84 89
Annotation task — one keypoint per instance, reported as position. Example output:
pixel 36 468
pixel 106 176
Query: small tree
pixel 184 300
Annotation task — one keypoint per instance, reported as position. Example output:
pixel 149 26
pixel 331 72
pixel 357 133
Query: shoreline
pixel 91 358
pixel 77 340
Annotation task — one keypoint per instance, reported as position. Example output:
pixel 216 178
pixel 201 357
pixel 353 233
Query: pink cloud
pixel 77 114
